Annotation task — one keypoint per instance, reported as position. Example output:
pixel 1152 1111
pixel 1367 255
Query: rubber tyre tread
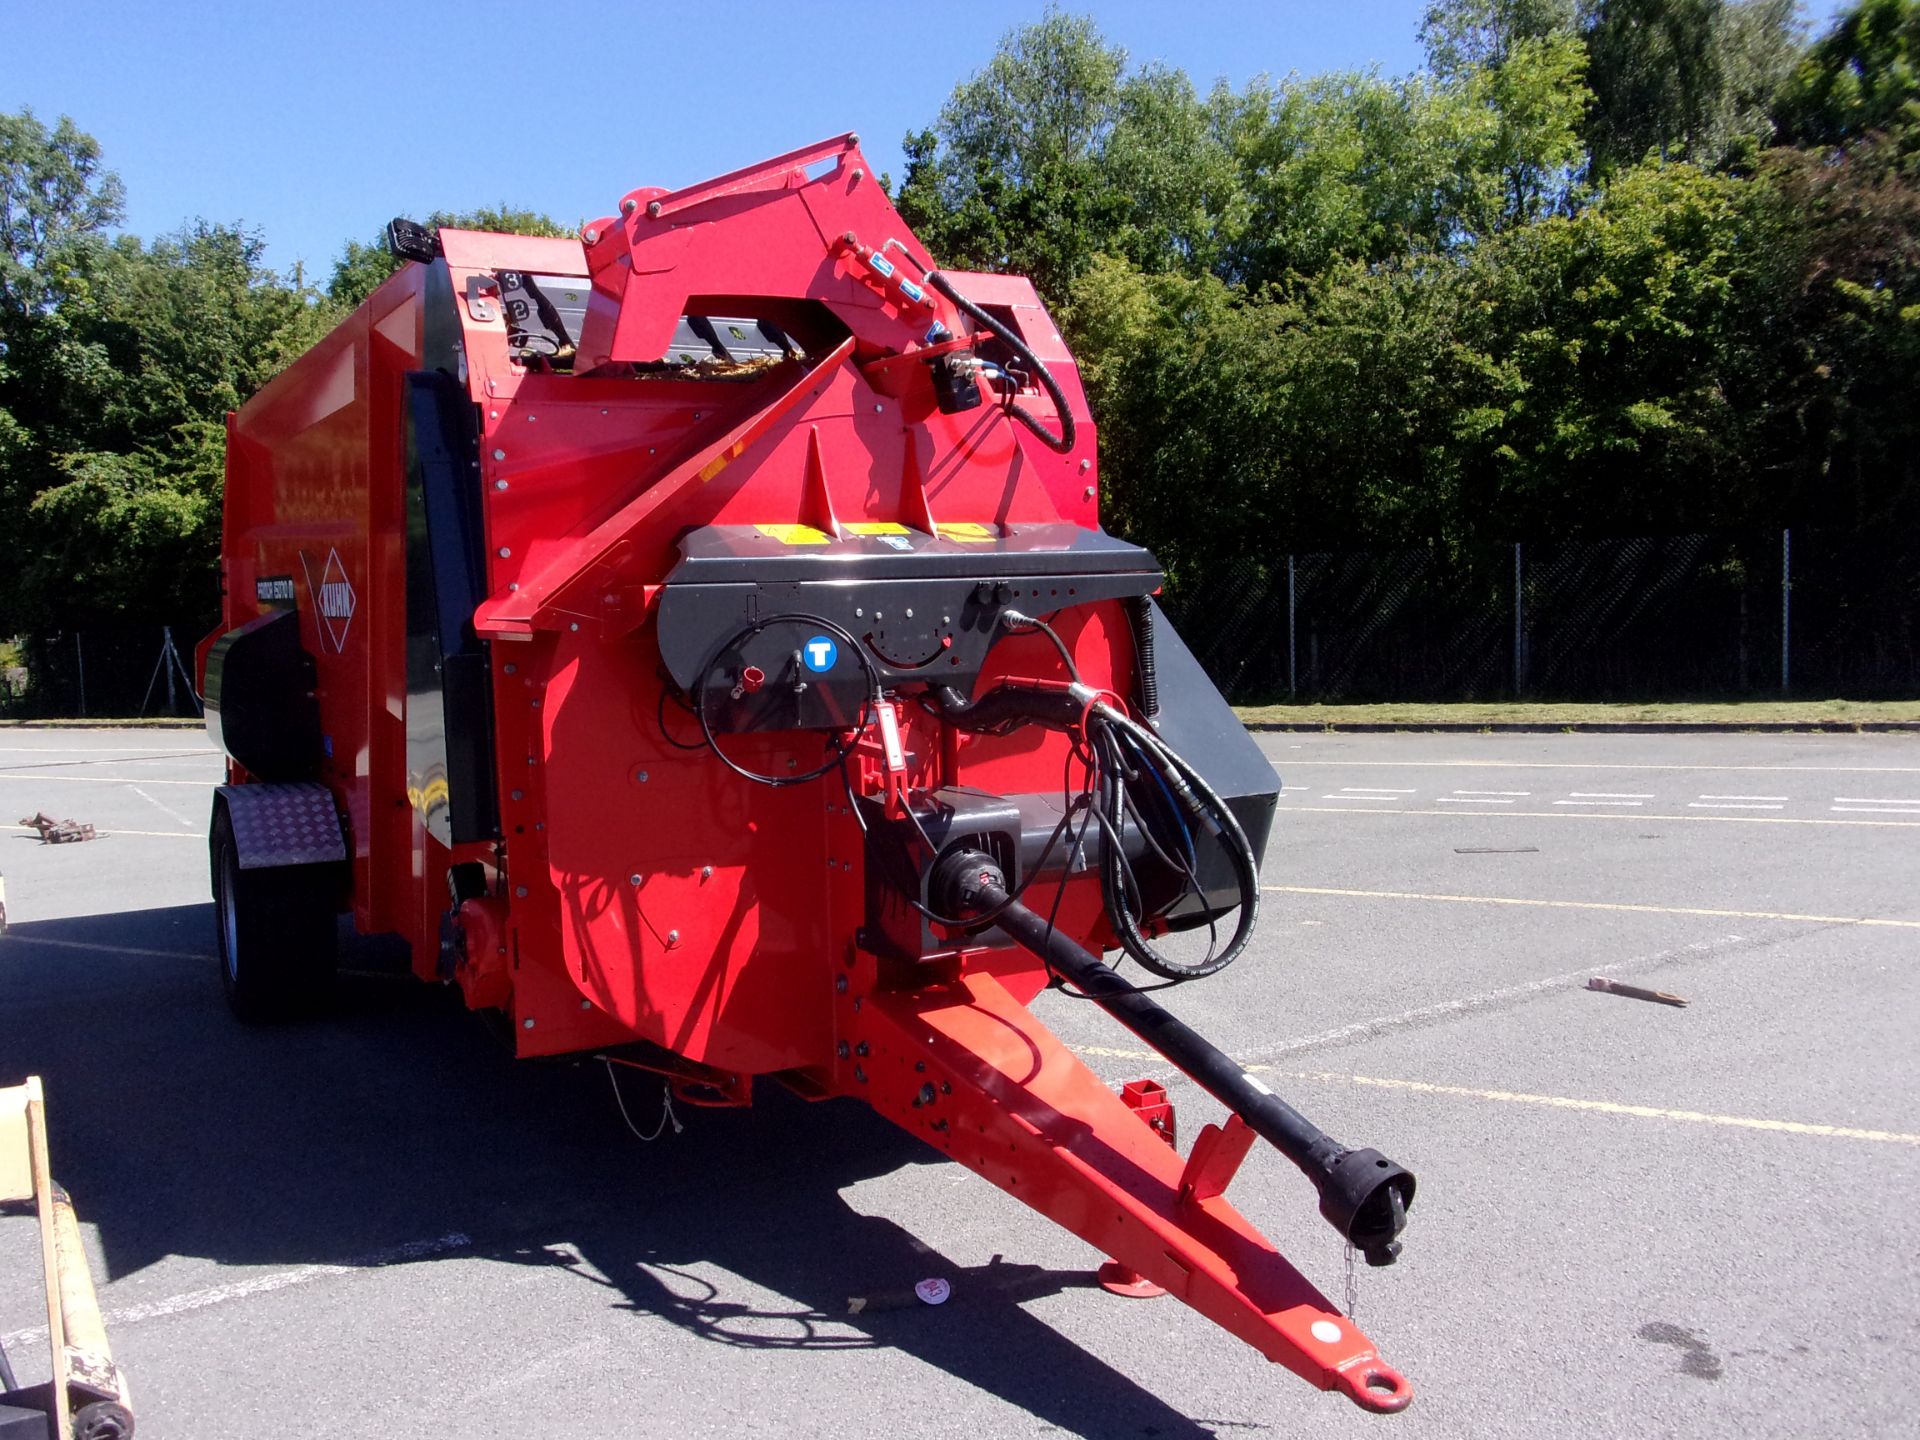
pixel 283 919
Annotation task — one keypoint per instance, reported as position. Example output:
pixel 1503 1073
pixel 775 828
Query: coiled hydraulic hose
pixel 1063 442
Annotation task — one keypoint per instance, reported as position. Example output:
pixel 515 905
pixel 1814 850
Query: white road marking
pixel 1468 800
pixel 1612 765
pixel 1598 802
pixel 1521 793
pixel 258 1285
pixel 1871 800
pixel 1873 810
pixel 103 749
pixel 1746 797
pixel 105 780
pixel 1381 1024
pixel 1612 815
pixel 164 809
pixel 1359 797
pixel 16 938
pixel 1613 1107
pixel 1610 794
pixel 1600 904
pixel 1467 1004
pixel 1373 790
pixel 1730 805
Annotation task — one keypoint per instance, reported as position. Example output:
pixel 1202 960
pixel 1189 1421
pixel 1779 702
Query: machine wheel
pixel 273 932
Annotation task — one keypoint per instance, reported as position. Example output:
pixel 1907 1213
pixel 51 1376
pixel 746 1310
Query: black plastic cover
pixel 261 703
pixel 922 608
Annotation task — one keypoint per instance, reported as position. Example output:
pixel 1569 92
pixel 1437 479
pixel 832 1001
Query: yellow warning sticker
pixel 877 527
pixel 795 534
pixel 966 531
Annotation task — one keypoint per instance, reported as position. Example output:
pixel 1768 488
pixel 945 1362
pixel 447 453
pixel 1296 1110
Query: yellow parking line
pixel 1594 905
pixel 1608 1107
pixel 1591 815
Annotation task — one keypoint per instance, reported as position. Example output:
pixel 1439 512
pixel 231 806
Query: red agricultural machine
pixel 697 639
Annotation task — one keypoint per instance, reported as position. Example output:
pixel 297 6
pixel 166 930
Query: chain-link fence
pixel 1684 616
pixel 1646 618
pixel 121 671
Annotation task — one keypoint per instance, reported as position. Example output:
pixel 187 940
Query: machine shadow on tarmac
pixel 397 1117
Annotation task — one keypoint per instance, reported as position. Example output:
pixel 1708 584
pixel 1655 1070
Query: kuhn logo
pixel 336 601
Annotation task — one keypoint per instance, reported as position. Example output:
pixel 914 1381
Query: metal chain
pixel 667 1117
pixel 1353 1283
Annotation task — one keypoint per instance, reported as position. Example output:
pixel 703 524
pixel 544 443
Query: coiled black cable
pixel 1063 442
pixel 847 741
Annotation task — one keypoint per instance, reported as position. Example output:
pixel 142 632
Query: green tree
pixel 1863 75
pixel 123 515
pixel 54 199
pixel 1688 78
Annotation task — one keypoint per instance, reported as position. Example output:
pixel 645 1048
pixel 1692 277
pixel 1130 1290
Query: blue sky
pixel 317 122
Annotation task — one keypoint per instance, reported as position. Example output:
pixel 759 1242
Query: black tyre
pixel 273 932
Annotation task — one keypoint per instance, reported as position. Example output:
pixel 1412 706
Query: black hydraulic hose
pixel 1063 442
pixel 1363 1195
pixel 1140 617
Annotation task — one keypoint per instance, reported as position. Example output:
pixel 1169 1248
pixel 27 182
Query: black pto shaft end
pixel 1365 1196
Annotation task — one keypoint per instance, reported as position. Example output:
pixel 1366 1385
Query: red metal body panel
pixel 639 889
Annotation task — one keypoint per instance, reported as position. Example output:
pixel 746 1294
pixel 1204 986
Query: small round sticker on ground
pixel 1325 1331
pixel 934 1291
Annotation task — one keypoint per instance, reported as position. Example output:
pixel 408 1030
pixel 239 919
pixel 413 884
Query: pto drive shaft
pixel 1363 1195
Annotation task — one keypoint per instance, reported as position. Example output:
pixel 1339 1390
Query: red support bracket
pixel 968 1069
pixel 1215 1160
pixel 1148 1099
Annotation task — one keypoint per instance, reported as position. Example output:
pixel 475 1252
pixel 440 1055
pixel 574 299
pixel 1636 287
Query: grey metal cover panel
pixel 278 824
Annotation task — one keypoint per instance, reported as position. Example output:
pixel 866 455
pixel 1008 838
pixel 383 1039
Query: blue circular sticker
pixel 820 653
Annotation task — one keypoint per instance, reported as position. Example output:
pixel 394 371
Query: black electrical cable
pixel 849 738
pixel 1016 621
pixel 1214 815
pixel 660 719
pixel 1063 442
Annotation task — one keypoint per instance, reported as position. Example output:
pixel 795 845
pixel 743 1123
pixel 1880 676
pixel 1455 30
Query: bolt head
pixel 499 454
pixel 840 984
pixel 504 553
pixel 592 237
pixel 527 1024
pixel 586 1004
pixel 673 938
pixel 629 205
pixel 634 879
pixel 653 209
pixel 520 891
pixel 1087 494
pixel 706 872
pixel 499 484
pixel 641 776
pixel 574 626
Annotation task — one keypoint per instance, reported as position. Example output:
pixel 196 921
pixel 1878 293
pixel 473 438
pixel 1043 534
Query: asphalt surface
pixel 1633 1219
